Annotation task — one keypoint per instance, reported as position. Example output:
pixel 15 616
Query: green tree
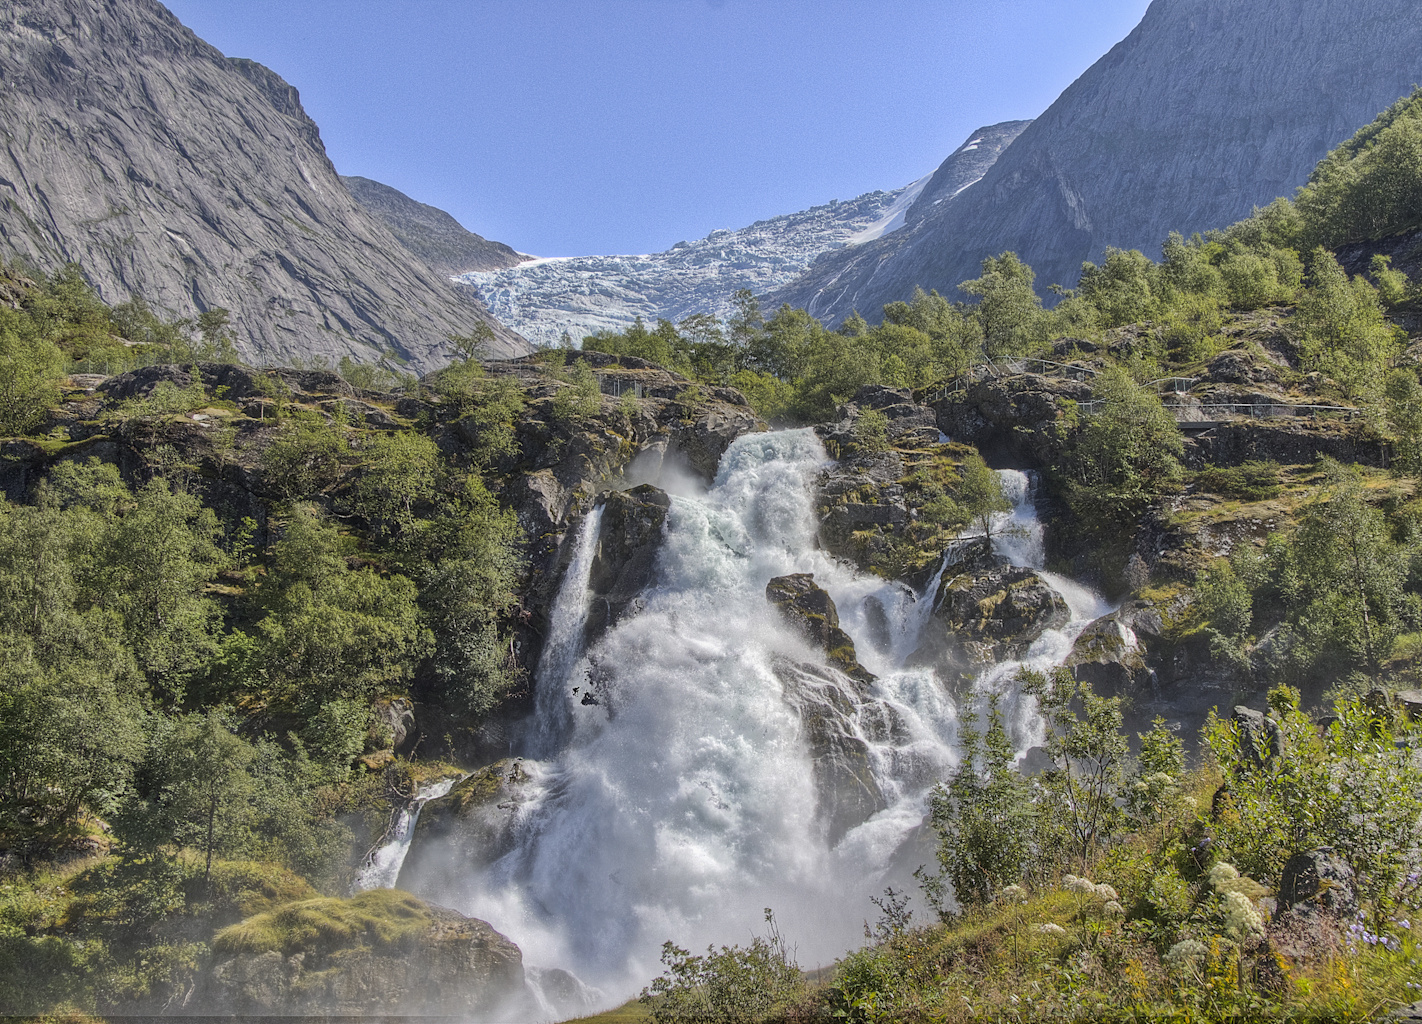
pixel 1125 454
pixel 983 819
pixel 1345 334
pixel 980 492
pixel 1088 752
pixel 1009 310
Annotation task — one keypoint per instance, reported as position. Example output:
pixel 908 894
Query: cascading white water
pixel 682 802
pixel 386 861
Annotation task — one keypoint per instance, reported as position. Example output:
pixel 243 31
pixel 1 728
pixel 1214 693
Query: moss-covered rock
pixel 470 827
pixel 810 608
pixel 982 618
pixel 382 951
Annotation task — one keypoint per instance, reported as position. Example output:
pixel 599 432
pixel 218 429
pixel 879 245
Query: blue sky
pixel 569 127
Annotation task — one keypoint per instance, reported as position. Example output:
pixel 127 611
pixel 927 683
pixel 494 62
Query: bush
pixel 741 985
pixel 1249 481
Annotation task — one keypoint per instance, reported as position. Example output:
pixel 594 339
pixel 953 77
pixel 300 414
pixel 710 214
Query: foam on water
pixel 682 802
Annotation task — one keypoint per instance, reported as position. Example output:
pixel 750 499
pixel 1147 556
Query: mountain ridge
pixel 1206 109
pixel 168 170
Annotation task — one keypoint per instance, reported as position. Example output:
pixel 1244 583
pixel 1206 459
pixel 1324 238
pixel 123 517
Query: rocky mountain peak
pixel 165 169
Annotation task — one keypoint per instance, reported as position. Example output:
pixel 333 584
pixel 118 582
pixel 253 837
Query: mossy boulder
pixel 468 828
pixel 378 952
pixel 1109 655
pixel 811 610
pixel 982 618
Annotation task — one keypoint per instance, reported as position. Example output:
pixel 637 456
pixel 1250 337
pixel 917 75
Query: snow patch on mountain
pixel 542 297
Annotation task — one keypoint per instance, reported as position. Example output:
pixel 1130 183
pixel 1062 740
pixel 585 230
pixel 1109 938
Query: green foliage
pixel 735 984
pixel 582 397
pixel 1344 333
pixel 397 472
pixel 982 819
pixel 329 630
pixel 1371 185
pixel 1404 417
pixel 1307 794
pixel 1252 480
pixel 1009 311
pixel 1127 452
pixel 1084 789
pixel 30 367
pixel 979 492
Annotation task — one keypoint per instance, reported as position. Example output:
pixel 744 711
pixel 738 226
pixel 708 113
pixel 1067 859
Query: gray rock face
pixel 803 602
pixel 428 232
pixel 167 170
pixel 1318 880
pixel 629 537
pixel 1207 109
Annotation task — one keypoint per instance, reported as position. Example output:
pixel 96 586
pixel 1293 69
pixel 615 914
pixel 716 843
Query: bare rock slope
pixel 1207 109
pixel 428 232
pixel 168 170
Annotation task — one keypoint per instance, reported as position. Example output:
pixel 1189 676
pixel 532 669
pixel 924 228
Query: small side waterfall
pixel 386 861
pixel 674 798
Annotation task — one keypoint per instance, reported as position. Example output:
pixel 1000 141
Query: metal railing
pixel 617 388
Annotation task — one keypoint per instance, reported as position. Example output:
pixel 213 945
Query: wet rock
pixel 1108 654
pixel 629 538
pixel 1318 880
pixel 379 952
pixel 1260 737
pixel 829 705
pixel 713 424
pixel 812 611
pixel 467 829
pixel 980 619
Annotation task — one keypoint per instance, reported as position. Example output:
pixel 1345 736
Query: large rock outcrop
pixel 168 170
pixel 380 952
pixel 629 537
pixel 834 705
pixel 982 618
pixel 1207 109
pixel 468 828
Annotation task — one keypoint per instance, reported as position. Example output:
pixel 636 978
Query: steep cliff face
pixel 428 232
pixel 1207 109
pixel 167 170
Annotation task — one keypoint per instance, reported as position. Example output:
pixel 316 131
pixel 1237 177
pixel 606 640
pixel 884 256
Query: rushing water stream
pixel 682 803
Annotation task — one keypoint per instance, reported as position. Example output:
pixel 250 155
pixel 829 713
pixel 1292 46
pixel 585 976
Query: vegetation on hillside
pixel 193 715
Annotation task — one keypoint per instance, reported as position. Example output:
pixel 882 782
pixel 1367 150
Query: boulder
pixel 829 706
pixel 1410 701
pixel 983 618
pixel 379 952
pixel 1108 654
pixel 812 611
pixel 1012 420
pixel 1318 880
pixel 629 537
pixel 1260 737
pixel 468 828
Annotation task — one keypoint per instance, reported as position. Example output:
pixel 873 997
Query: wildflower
pixel 1222 874
pixel 1080 886
pixel 1185 952
pixel 1241 917
pixel 1054 930
pixel 1114 909
pixel 1013 894
pixel 1105 892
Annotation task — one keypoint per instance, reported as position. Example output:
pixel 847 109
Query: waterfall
pixel 681 802
pixel 384 865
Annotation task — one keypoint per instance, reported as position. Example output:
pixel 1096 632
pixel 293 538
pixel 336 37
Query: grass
pixel 377 919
